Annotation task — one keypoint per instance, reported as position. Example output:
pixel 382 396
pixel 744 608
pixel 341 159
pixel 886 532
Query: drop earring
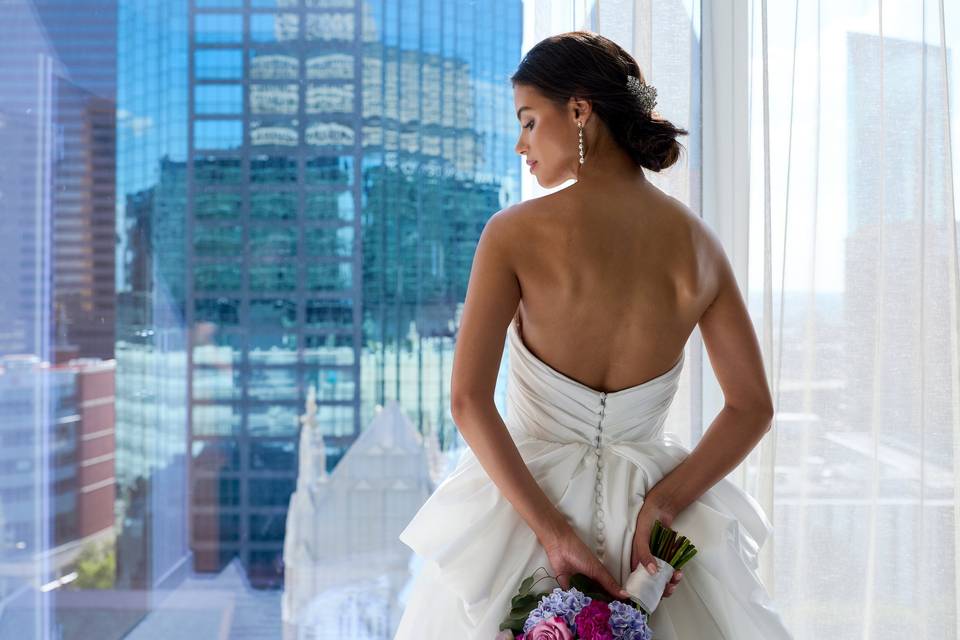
pixel 580 125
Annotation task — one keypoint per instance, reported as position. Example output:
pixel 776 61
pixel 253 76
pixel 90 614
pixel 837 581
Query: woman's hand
pixel 569 555
pixel 651 511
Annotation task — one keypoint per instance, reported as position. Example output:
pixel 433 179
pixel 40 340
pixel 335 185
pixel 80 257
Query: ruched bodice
pixel 544 403
pixel 595 455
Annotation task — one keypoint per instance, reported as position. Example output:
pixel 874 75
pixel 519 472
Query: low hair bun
pixel 586 64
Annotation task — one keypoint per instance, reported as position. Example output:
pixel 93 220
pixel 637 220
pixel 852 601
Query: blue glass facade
pixel 302 185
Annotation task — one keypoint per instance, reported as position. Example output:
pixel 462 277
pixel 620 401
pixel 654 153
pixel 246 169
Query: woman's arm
pixel 493 294
pixel 746 416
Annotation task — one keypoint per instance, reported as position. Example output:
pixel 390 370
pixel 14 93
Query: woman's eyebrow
pixel 521 109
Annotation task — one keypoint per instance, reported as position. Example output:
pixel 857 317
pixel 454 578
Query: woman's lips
pixel 534 164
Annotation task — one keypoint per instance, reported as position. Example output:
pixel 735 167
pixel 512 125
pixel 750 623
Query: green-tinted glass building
pixel 337 160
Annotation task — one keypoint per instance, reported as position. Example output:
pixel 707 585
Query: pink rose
pixel 552 629
pixel 593 621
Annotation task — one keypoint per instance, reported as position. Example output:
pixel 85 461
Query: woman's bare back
pixel 612 284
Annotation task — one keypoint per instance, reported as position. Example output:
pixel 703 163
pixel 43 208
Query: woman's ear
pixel 580 108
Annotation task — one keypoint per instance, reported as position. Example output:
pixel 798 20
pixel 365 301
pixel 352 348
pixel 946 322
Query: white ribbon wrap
pixel 645 589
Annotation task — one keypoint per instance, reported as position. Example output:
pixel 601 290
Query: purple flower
pixel 565 604
pixel 593 622
pixel 628 623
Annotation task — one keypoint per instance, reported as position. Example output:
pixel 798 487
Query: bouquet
pixel 585 611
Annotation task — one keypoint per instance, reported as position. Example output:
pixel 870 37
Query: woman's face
pixel 548 137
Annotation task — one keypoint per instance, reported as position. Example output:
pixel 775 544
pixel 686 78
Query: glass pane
pixel 330 276
pixel 273 348
pixel 216 420
pixel 273 312
pixel 330 241
pixel 269 27
pixel 330 27
pixel 218 64
pixel 329 314
pixel 216 455
pixel 273 65
pixel 273 383
pixel 330 205
pixel 273 169
pixel 274 98
pixel 218 240
pixel 218 134
pixel 271 492
pixel 273 205
pixel 218 99
pixel 216 170
pixel 273 277
pixel 216 205
pixel 273 241
pixel 330 170
pixel 331 383
pixel 214 277
pixel 278 455
pixel 330 66
pixel 215 28
pixel 268 527
pixel 324 98
pixel 273 420
pixel 219 311
pixel 215 383
pixel 330 348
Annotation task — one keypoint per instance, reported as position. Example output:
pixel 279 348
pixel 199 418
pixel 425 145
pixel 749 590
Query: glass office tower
pixel 304 184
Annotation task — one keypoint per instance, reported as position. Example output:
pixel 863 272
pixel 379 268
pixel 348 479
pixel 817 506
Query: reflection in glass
pixel 218 99
pixel 325 98
pixel 216 419
pixel 216 170
pixel 328 348
pixel 270 27
pixel 273 348
pixel 273 205
pixel 217 134
pixel 217 28
pixel 217 240
pixel 272 383
pixel 330 205
pixel 273 241
pixel 329 313
pixel 330 276
pixel 330 241
pixel 216 205
pixel 330 27
pixel 218 311
pixel 273 277
pixel 272 420
pixel 218 64
pixel 272 169
pixel 278 313
pixel 330 66
pixel 268 65
pixel 274 98
pixel 329 170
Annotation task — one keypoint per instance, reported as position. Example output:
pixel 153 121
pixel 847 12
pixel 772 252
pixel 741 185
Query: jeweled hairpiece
pixel 645 94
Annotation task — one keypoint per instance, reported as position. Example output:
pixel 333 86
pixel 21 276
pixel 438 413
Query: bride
pixel 597 288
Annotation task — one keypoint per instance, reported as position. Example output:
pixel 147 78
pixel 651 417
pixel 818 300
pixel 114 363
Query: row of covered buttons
pixel 599 487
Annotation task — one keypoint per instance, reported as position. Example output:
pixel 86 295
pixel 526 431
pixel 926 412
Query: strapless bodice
pixel 544 403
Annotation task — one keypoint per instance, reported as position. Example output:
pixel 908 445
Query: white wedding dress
pixel 476 548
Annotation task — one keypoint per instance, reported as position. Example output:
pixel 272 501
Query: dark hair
pixel 595 68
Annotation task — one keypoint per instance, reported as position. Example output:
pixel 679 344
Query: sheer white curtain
pixel 853 284
pixel 821 151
